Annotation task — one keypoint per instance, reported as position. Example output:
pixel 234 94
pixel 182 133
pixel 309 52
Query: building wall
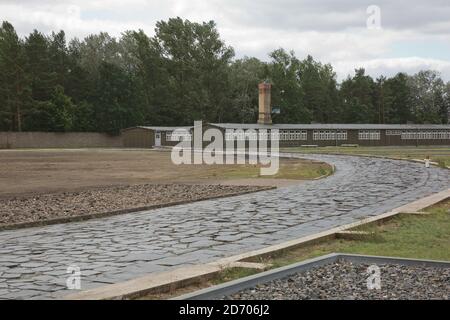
pixel 138 138
pixel 353 138
pixel 13 140
pixel 165 142
pixel 144 138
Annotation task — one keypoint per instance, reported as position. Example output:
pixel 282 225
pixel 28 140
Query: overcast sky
pixel 411 35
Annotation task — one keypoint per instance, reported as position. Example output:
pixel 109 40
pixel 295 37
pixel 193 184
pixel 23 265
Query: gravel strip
pixel 102 200
pixel 344 280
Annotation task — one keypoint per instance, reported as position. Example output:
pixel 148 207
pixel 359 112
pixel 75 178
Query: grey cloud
pixel 332 30
pixel 300 15
pixel 332 15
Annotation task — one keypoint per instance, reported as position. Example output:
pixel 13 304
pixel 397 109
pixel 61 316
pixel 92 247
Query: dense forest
pixel 185 72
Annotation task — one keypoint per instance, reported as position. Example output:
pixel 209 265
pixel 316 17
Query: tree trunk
pixel 18 113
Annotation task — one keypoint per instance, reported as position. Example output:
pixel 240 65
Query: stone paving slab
pixel 33 262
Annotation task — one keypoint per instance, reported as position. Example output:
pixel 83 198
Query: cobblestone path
pixel 34 261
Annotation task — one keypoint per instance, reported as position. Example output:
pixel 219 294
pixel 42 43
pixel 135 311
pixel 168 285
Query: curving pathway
pixel 33 262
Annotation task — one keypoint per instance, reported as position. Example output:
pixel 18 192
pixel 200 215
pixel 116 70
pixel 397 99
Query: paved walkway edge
pixel 285 151
pixel 160 282
pixel 41 223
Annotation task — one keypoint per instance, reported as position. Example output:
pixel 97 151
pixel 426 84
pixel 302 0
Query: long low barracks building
pixel 308 134
pixel 346 134
pixel 302 134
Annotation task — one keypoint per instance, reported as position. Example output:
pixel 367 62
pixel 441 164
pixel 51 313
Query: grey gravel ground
pixel 106 199
pixel 344 280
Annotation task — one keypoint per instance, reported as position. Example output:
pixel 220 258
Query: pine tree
pixel 359 99
pixel 43 79
pixel 15 89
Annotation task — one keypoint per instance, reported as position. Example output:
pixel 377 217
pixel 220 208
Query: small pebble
pixel 106 199
pixel 347 281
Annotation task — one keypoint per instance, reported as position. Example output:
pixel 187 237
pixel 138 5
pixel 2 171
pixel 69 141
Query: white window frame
pixel 184 137
pixel 329 135
pixel 393 132
pixel 293 135
pixel 369 135
pixel 425 135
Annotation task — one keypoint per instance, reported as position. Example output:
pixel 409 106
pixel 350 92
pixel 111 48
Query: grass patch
pixel 233 274
pixel 407 236
pixel 297 169
pixel 443 162
pixel 223 276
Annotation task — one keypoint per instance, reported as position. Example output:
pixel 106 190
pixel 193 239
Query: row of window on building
pixel 294 135
pixel 329 135
pixel 368 135
pixel 250 135
pixel 363 134
pixel 425 135
pixel 170 136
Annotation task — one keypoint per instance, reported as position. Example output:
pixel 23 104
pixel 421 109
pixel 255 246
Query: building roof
pixel 332 126
pixel 156 128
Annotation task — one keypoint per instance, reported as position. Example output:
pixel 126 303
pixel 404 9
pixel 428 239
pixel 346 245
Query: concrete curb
pixel 161 281
pixel 32 224
pixel 231 287
pixel 146 285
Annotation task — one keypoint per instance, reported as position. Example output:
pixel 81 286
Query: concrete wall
pixel 10 140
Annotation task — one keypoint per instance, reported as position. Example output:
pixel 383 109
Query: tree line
pixel 186 72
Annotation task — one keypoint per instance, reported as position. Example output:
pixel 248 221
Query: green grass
pixel 408 236
pixel 444 162
pixel 232 274
pixel 289 169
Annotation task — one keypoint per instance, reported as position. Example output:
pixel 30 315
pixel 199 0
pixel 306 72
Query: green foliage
pixel 396 99
pixel 197 62
pixel 55 114
pixel 358 98
pixel 428 99
pixel 39 69
pixel 15 89
pixel 186 72
pixel 116 103
pixel 83 117
pixel 283 72
pixel 244 76
pixel 319 91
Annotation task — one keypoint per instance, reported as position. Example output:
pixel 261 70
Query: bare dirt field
pixel 41 185
pixel 25 172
